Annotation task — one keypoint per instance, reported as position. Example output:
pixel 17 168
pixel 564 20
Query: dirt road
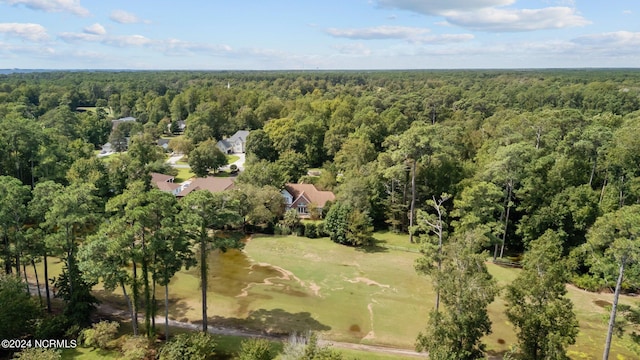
pixel 106 309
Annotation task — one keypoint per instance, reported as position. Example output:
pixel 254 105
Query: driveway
pixel 173 159
pixel 239 163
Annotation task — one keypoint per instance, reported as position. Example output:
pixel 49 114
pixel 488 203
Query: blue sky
pixel 328 34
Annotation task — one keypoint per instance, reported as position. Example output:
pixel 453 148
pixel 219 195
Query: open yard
pixel 184 174
pixel 281 284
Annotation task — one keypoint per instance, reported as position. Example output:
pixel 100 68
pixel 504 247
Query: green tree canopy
pixel 537 305
pixel 206 156
pixel 466 289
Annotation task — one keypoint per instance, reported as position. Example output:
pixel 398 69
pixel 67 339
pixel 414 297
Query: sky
pixel 319 34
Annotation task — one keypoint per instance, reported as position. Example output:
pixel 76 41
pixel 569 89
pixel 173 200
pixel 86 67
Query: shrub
pixel 300 347
pixel 255 349
pixel 310 230
pixel 280 229
pixel 134 348
pixel 53 327
pixel 193 346
pixel 588 282
pixel 101 335
pixel 347 226
pixel 320 232
pixel 38 354
pixel 18 310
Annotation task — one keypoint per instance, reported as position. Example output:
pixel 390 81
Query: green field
pixel 281 284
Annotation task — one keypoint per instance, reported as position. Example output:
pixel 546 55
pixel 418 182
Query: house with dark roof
pixel 234 144
pixel 164 144
pixel 211 183
pixel 165 183
pixel 305 198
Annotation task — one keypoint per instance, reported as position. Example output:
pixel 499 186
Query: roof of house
pixel 309 191
pixel 239 135
pixel 164 182
pixel 162 142
pixel 167 186
pixel 213 184
pixel 157 177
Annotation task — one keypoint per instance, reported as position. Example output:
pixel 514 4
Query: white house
pixel 234 144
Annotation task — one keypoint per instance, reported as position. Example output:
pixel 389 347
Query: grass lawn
pixel 396 241
pixel 232 158
pixel 82 353
pixel 184 174
pixel 107 159
pixel 287 283
pixel 354 295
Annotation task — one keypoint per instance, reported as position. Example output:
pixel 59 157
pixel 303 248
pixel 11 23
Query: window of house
pixel 302 208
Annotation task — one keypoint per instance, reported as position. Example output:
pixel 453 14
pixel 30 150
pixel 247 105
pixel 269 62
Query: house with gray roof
pixel 234 144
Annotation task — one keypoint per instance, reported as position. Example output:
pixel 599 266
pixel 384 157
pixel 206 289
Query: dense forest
pixel 538 168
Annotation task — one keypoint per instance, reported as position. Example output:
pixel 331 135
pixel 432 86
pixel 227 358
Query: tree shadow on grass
pixel 377 246
pixel 274 322
pixel 116 306
pixel 177 309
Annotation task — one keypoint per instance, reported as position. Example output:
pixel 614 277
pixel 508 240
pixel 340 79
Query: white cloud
pixel 444 39
pixel 128 41
pixel 611 40
pixel 379 32
pixel 71 6
pixel 124 17
pixel 27 31
pixel 117 41
pixel 166 46
pixel 17 53
pixel 493 15
pixel 438 7
pixel 175 46
pixel 508 20
pixel 410 34
pixel 79 37
pixel 95 29
pixel 353 49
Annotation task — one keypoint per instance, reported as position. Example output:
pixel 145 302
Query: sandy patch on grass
pixel 371 335
pixel 315 288
pixel 367 282
pixel 284 275
pixel 313 257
